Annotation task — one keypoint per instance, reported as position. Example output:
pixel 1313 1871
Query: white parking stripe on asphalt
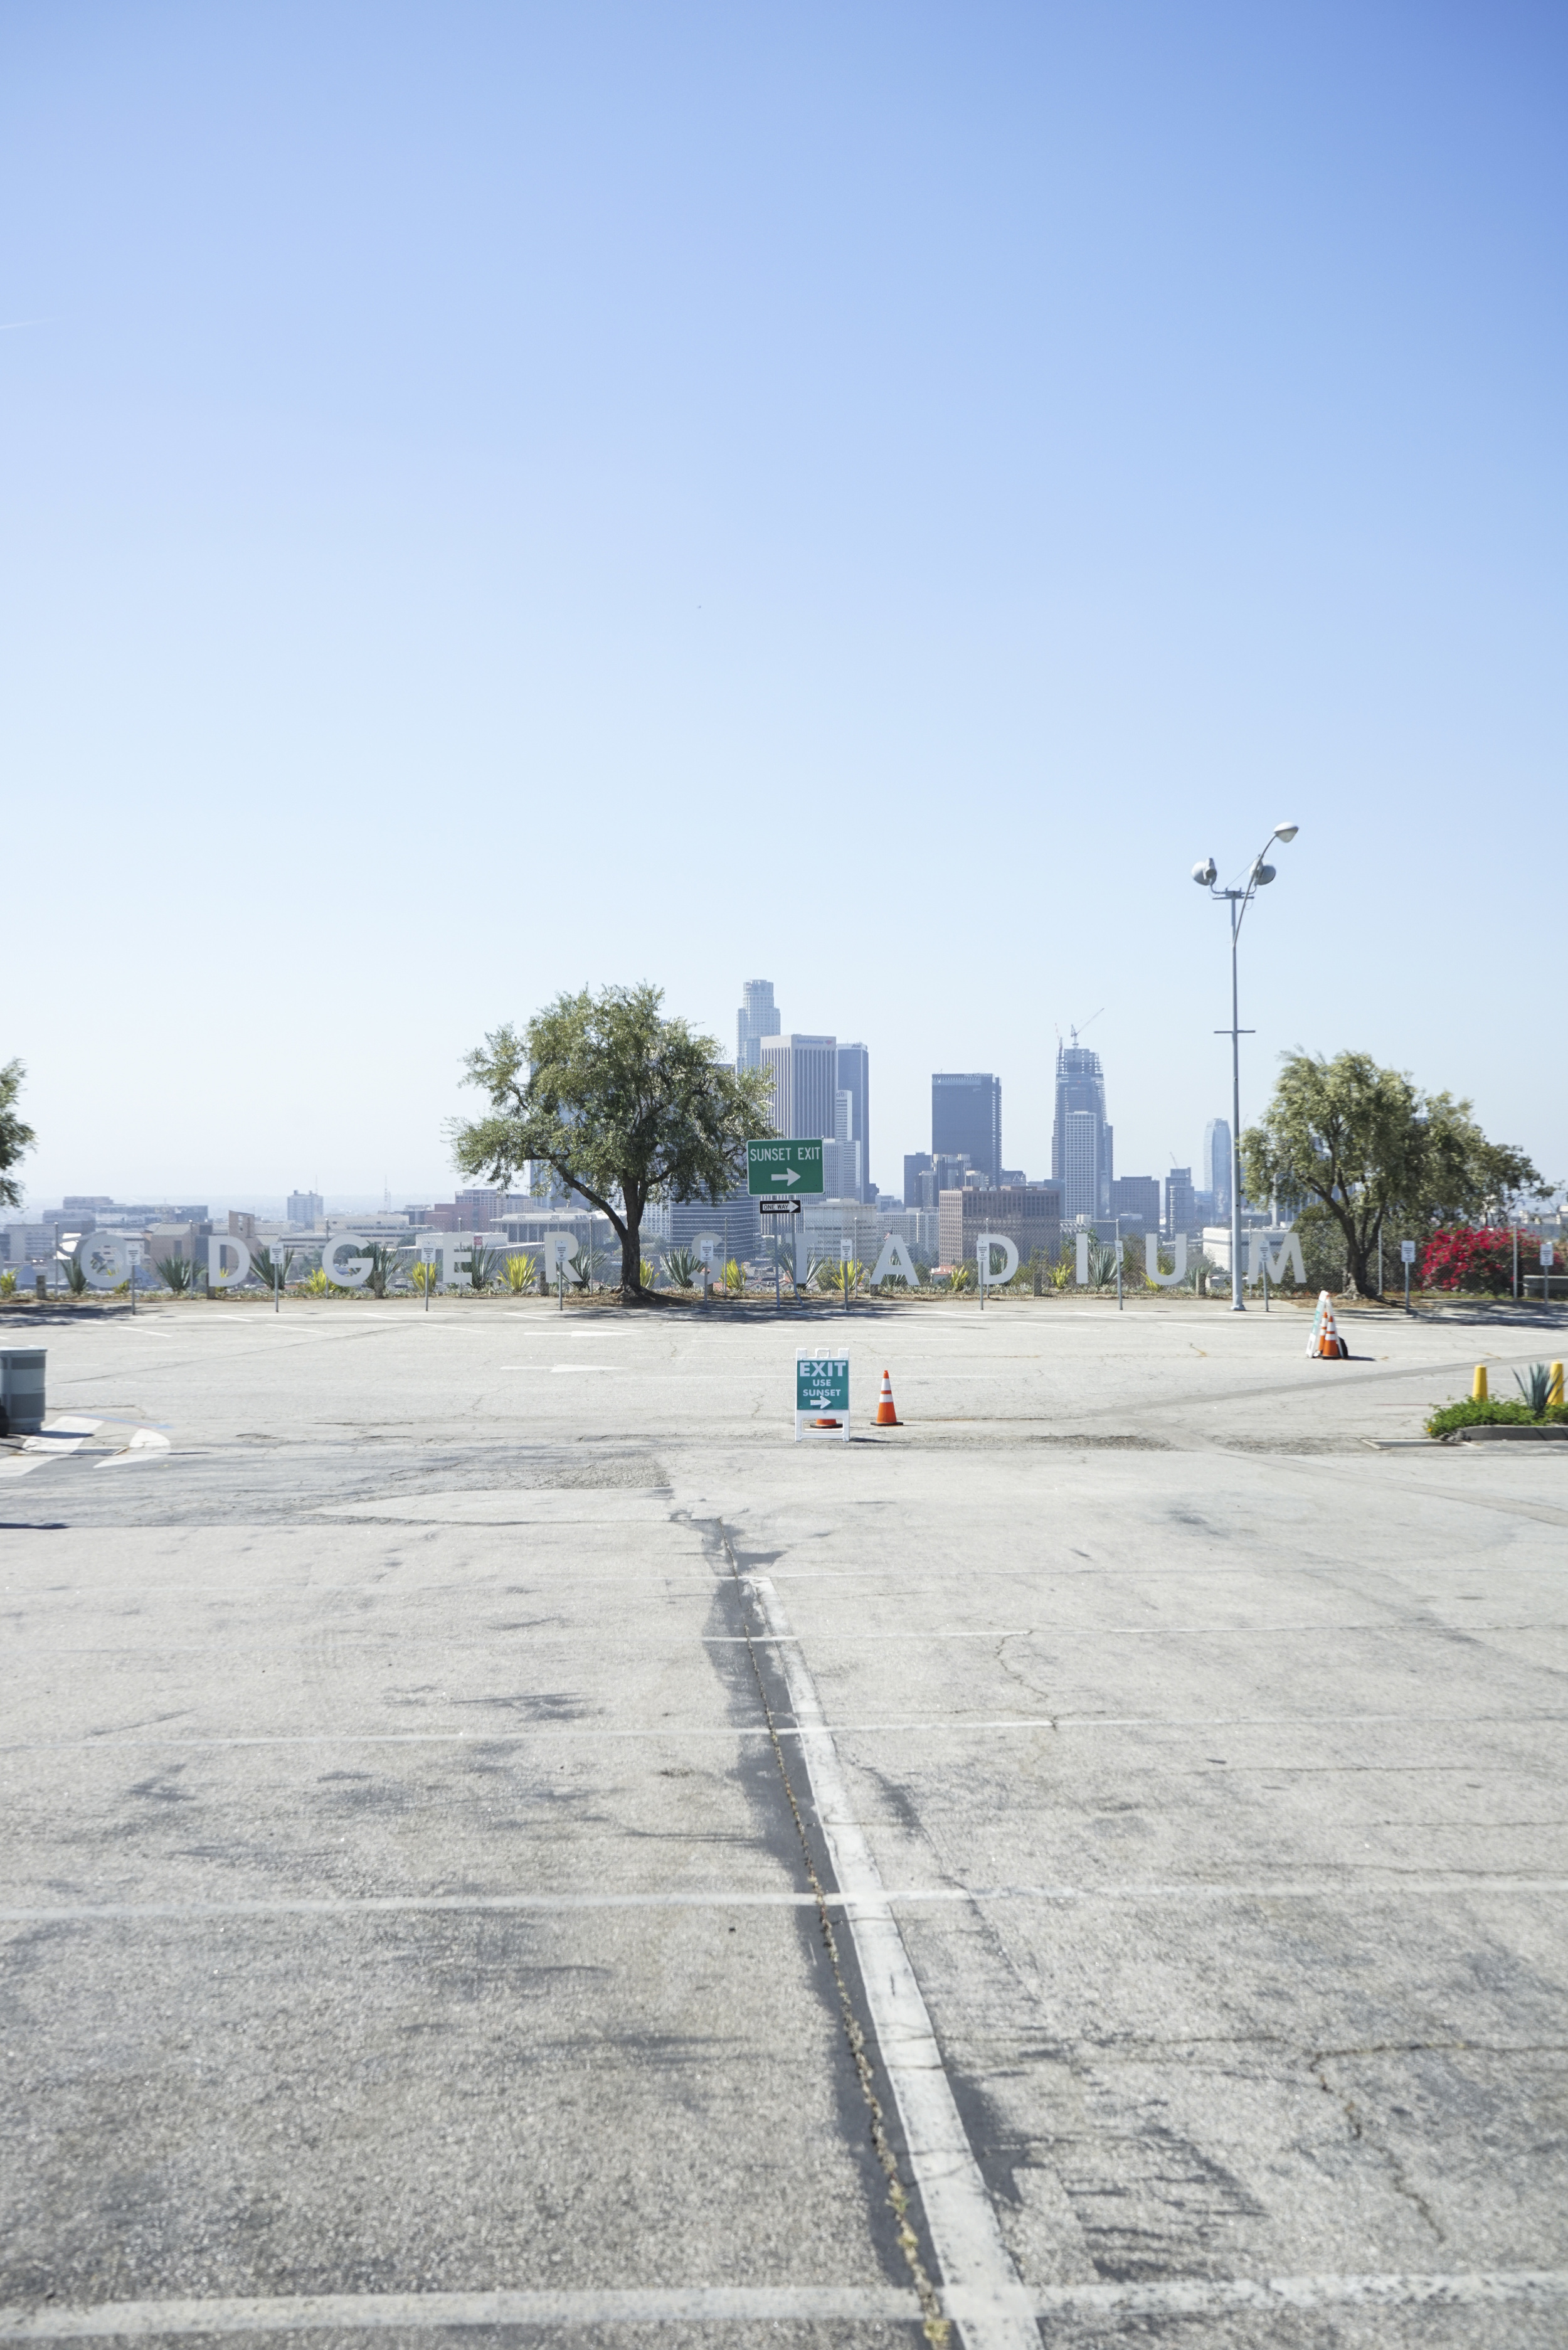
pixel 752 2306
pixel 1379 1879
pixel 964 2230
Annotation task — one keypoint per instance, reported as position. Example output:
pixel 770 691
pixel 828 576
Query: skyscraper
pixel 1137 1195
pixel 805 1072
pixel 966 1121
pixel 757 1017
pixel 1181 1203
pixel 1081 1141
pixel 855 1080
pixel 1217 1166
pixel 841 1157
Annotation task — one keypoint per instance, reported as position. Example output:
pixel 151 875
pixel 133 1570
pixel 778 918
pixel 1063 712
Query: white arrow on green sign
pixel 783 1168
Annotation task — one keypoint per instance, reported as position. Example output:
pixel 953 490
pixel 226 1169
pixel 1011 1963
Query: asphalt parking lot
pixel 499 1837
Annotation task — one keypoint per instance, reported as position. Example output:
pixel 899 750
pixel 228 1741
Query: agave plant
pixel 647 1271
pixel 839 1274
pixel 1536 1388
pixel 780 1253
pixel 383 1256
pixel 424 1273
pixel 270 1271
pixel 734 1279
pixel 315 1285
pixel 76 1277
pixel 7 1284
pixel 1103 1261
pixel 521 1271
pixel 684 1268
pixel 587 1264
pixel 177 1273
pixel 960 1278
pixel 483 1265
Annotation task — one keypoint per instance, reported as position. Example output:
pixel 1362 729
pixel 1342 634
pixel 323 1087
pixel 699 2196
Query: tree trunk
pixel 1359 1282
pixel 631 1261
pixel 1362 1279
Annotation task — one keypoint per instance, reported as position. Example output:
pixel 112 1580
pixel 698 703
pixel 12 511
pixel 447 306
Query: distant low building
pixel 829 1226
pixel 29 1245
pixel 180 1238
pixel 1028 1214
pixel 732 1222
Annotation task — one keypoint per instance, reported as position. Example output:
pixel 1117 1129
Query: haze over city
pixel 504 502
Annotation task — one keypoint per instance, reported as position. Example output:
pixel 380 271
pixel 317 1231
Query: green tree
pixel 1368 1146
pixel 14 1138
pixel 625 1106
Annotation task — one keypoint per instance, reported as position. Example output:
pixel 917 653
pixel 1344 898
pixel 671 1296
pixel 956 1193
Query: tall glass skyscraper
pixel 757 1017
pixel 966 1121
pixel 805 1071
pixel 855 1080
pixel 1081 1141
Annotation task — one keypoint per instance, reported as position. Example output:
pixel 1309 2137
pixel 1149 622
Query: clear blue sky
pixel 497 498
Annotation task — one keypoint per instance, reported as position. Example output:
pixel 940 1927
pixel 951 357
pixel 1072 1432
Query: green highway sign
pixel 783 1170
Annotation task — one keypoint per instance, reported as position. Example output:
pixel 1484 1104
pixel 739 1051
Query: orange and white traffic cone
pixel 1332 1345
pixel 886 1415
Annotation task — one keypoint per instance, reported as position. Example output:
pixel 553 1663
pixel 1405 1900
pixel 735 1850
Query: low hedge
pixel 1471 1414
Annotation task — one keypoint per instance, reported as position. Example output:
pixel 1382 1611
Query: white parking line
pixel 771 2304
pixel 1333 1886
pixel 964 2230
pixel 919 1725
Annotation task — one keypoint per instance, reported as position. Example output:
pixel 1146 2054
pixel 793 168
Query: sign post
pixel 774 1213
pixel 1548 1259
pixel 1407 1258
pixel 821 1396
pixel 782 1171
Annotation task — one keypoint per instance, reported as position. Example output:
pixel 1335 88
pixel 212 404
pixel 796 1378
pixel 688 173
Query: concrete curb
pixel 1553 1435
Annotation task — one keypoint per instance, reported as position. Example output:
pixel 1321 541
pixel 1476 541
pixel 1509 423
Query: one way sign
pixel 786 1169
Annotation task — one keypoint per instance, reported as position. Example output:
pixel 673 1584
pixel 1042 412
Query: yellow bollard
pixel 1478 1385
pixel 1554 1388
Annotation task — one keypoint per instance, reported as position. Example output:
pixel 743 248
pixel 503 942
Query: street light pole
pixel 1238 901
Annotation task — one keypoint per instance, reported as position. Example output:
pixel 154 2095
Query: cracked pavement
pixel 403 1898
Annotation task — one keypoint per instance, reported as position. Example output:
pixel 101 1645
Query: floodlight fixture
pixel 1237 900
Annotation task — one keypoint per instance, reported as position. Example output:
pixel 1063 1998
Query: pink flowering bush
pixel 1477 1257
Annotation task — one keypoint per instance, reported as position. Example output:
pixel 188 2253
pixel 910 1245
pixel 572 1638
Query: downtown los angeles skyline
pixel 868 499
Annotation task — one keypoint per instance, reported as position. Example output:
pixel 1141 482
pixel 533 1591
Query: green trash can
pixel 22 1389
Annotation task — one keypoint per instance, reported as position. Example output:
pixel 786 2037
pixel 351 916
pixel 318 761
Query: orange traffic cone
pixel 1330 1344
pixel 886 1415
